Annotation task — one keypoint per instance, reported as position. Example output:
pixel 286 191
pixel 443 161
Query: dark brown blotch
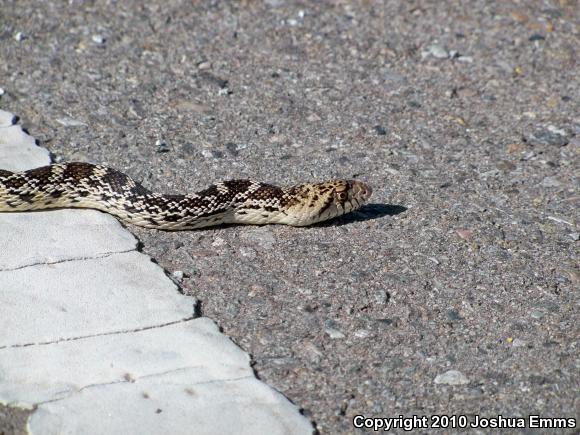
pixel 42 173
pixel 172 217
pixel 15 182
pixel 206 196
pixel 252 207
pixel 117 180
pixel 76 171
pixel 210 191
pixel 237 186
pixel 267 191
pixel 5 174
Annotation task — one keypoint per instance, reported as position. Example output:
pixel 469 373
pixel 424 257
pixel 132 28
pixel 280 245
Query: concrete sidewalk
pixel 97 339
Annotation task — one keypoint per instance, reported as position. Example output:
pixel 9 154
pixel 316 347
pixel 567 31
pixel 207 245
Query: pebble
pixel 466 59
pixel 551 135
pixel 19 36
pixel 206 153
pixel 69 122
pixel 234 148
pixel 313 117
pixel 505 166
pixel 453 315
pixel 518 343
pixel 451 377
pixel 465 234
pixel 191 106
pixel 537 314
pixel 2 91
pixel 177 275
pixel 162 146
pixel 574 236
pixel 536 37
pixel 381 296
pixel 529 155
pixel 248 252
pixel 466 92
pixel 334 333
pixel 98 39
pixel 515 147
pixel 519 17
pixel 385 322
pixel 438 52
pixel 550 182
pixel 362 333
pixel 380 130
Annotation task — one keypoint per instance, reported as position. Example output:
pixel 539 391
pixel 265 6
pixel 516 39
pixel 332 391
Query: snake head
pixel 343 197
pixel 322 201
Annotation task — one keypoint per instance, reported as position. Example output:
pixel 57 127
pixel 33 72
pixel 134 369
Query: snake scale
pixel 84 185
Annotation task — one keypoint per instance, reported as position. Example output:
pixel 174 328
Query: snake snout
pixel 361 190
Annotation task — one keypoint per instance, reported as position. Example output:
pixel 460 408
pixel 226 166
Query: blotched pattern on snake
pixel 84 185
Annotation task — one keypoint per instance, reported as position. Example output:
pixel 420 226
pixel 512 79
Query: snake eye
pixel 341 196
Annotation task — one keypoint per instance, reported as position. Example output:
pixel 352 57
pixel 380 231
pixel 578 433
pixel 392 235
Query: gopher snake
pixel 84 185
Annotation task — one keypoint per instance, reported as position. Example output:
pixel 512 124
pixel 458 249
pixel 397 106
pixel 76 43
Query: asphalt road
pixel 462 116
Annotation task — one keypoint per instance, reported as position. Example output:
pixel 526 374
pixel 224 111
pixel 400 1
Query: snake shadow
pixel 366 213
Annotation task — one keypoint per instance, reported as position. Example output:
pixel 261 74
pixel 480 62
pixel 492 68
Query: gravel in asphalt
pixel 456 292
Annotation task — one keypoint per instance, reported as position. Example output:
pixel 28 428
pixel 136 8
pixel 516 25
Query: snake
pixel 94 186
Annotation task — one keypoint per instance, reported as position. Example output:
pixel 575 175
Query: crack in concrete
pixel 122 331
pixel 136 380
pixel 66 260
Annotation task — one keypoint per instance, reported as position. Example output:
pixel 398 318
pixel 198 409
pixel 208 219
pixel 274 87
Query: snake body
pixel 84 185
